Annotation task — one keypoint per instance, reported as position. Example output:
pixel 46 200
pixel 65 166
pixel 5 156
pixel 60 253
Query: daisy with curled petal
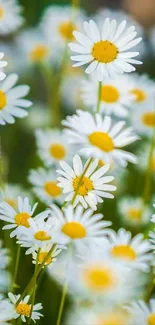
pixel 19 217
pixel 39 234
pixel 52 146
pixel 79 225
pixel 142 313
pixel 45 186
pixel 7 311
pixel 23 309
pixel 44 252
pixel 10 16
pixel 132 211
pixel 135 252
pixel 59 19
pixel 11 101
pixel 106 51
pixel 98 138
pixel 85 184
pixel 114 95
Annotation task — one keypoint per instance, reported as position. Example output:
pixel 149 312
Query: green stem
pixel 80 180
pixel 99 97
pixel 147 186
pixel 62 303
pixel 35 275
pixel 34 289
pixel 14 284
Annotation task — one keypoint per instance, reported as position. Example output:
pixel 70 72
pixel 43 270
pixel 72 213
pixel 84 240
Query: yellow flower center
pixel 3 100
pixel 113 319
pixel 42 257
pixel 153 163
pixel 151 319
pixel 134 213
pixel 85 185
pixel 57 151
pixel 109 94
pixel 124 252
pixel 104 51
pixel 140 95
pixel 52 189
pixel 42 235
pixel 101 140
pixel 11 202
pixel 99 278
pixel 23 309
pixel 74 230
pixel 66 30
pixel 39 53
pixel 1 12
pixel 21 219
pixel 149 119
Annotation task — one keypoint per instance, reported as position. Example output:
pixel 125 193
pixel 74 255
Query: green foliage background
pixel 19 152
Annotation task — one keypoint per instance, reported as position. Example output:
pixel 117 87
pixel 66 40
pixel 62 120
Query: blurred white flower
pixel 10 16
pixel 142 313
pixel 7 311
pixel 10 192
pixel 44 251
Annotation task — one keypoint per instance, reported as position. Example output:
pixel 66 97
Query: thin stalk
pixel 75 4
pixel 34 289
pixel 62 303
pixel 99 97
pixel 16 268
pixel 147 185
pixel 35 275
pixel 80 180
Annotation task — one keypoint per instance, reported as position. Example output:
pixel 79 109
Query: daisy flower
pixel 52 146
pixel 132 211
pixel 143 120
pixel 19 217
pixel 10 16
pixel 45 186
pixel 10 194
pixel 93 186
pixel 97 137
pixel 106 50
pixel 114 98
pixel 133 251
pixel 11 101
pixel 60 20
pixel 142 88
pixel 35 47
pixel 7 311
pixel 39 233
pixel 79 224
pixel 44 252
pixel 143 313
pixel 23 309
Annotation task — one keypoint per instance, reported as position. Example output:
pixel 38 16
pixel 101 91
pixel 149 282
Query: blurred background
pixel 18 144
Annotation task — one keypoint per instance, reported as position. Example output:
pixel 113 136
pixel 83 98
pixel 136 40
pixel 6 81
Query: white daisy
pixel 133 212
pixel 79 224
pixel 114 98
pixel 135 252
pixel 85 184
pixel 143 120
pixel 23 309
pixel 44 252
pixel 39 233
pixel 11 101
pixel 45 187
pixel 34 46
pixel 7 310
pixel 59 20
pixel 10 16
pixel 107 49
pixel 10 194
pixel 52 146
pixel 19 217
pixel 143 314
pixel 97 137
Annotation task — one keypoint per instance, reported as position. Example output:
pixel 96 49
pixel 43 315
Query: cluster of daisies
pixel 108 274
